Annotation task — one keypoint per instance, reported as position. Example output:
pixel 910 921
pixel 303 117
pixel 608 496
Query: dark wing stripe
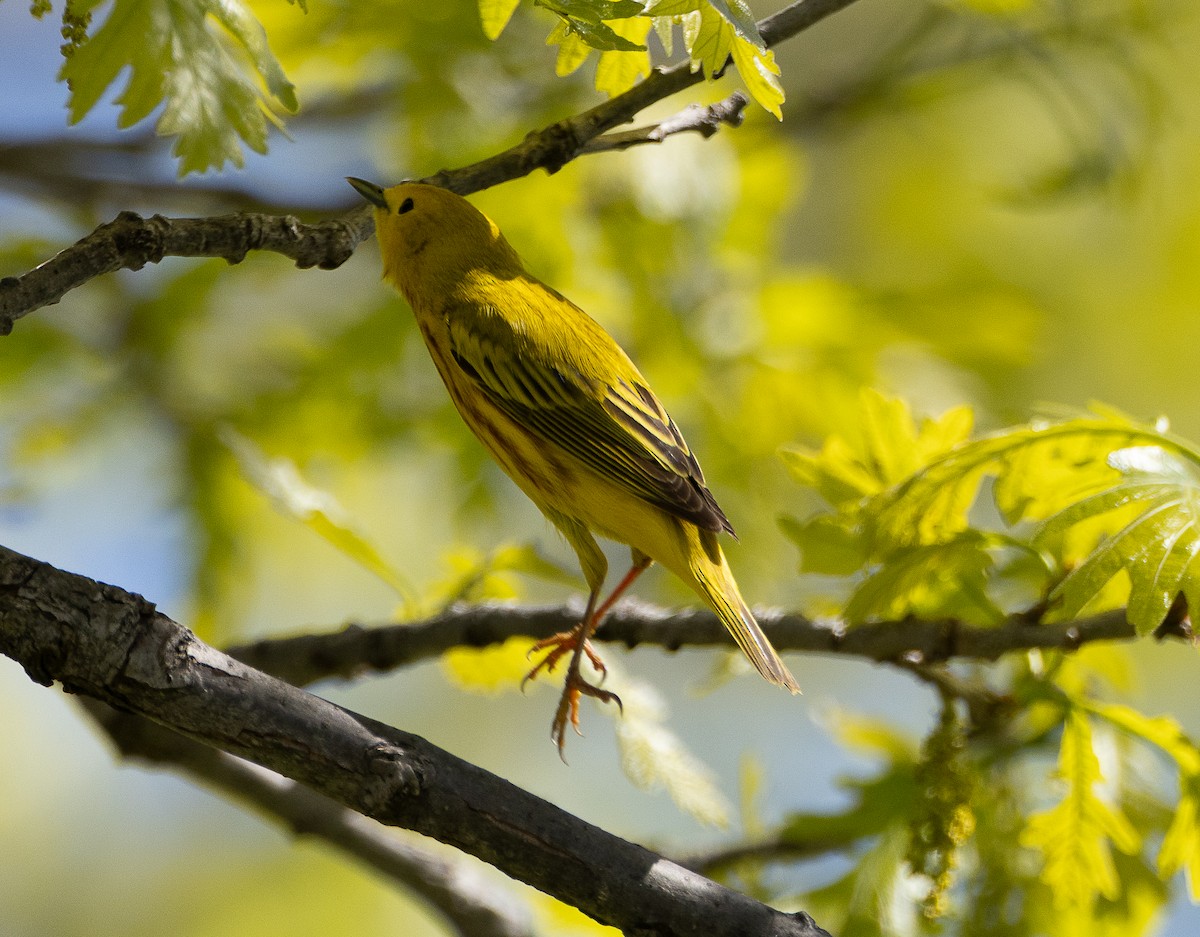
pixel 626 436
pixel 651 437
pixel 611 455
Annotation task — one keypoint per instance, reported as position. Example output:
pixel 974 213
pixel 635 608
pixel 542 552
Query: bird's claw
pixel 568 708
pixel 575 686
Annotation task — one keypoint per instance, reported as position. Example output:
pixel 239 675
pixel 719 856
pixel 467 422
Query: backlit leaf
pixel 708 38
pixel 738 15
pixel 202 59
pixel 1157 543
pixel 827 546
pixel 758 71
pixel 593 11
pixel 1181 843
pixel 620 71
pixel 1077 835
pixel 495 14
pixel 942 580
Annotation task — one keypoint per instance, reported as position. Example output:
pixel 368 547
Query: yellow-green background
pixel 1012 219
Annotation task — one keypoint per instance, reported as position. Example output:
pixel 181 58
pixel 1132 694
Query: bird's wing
pixel 573 386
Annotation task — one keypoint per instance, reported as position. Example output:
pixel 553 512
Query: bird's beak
pixel 369 190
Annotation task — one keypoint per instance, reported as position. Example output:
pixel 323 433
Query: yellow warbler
pixel 566 414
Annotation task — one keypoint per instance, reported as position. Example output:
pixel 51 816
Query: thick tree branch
pixel 910 643
pixel 113 646
pixel 473 906
pixel 130 241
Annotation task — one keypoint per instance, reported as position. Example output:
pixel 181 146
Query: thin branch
pixel 553 147
pixel 910 643
pixel 473 905
pixel 130 242
pixel 785 848
pixel 113 646
pixel 983 703
pixel 698 118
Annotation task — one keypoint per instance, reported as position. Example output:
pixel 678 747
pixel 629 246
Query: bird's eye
pixel 406 205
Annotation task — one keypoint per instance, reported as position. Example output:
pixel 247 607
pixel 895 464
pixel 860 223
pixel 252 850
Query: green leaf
pixel 664 28
pixel 1075 837
pixel 1158 546
pixel 248 31
pixel 757 69
pixel 1181 843
pixel 202 58
pixel 619 71
pixel 1163 732
pixel 495 14
pixel 1113 497
pixel 828 545
pixel 708 38
pixel 942 580
pixel 836 473
pixel 1039 469
pixel 673 7
pixel 734 12
pixel 738 15
pixel 593 11
pixel 572 51
pixel 891 447
pixel 601 36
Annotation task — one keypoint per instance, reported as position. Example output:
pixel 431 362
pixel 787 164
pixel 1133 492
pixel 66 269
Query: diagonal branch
pixel 473 906
pixel 113 646
pixel 553 147
pixel 130 241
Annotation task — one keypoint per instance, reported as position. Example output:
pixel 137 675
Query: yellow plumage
pixel 564 412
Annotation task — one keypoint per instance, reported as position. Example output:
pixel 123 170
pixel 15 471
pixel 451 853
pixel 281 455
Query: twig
pixel 553 147
pixel 785 848
pixel 113 646
pixel 474 906
pixel 983 703
pixel 698 118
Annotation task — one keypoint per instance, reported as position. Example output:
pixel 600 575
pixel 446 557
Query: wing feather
pixel 612 423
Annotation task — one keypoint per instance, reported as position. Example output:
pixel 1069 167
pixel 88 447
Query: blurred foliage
pixel 972 205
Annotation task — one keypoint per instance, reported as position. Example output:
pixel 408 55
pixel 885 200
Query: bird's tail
pixel 716 584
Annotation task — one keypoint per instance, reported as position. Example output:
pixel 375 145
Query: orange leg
pixel 577 643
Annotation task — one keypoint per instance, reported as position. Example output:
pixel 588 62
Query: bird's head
pixel 431 239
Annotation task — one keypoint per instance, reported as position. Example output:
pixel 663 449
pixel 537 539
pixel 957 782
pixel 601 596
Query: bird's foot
pixel 568 707
pixel 561 644
pixel 575 686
